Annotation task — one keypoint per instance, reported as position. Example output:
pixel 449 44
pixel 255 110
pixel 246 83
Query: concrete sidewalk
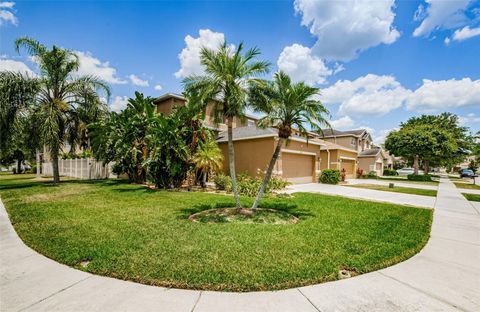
pixel 444 276
pixel 359 193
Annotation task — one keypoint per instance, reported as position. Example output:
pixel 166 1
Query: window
pixel 250 123
pixel 353 142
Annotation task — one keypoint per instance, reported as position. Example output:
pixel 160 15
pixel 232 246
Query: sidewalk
pixel 444 276
pixel 397 183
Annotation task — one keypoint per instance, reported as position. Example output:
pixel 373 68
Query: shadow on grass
pixel 289 208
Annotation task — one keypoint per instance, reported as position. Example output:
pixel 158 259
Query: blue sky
pixel 376 62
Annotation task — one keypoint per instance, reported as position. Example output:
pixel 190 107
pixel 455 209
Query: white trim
pixel 270 135
pixel 347 158
pixel 297 152
pixel 305 141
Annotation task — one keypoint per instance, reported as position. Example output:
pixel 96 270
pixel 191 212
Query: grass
pixel 233 215
pixel 396 189
pixel 467 186
pixel 404 179
pixel 130 232
pixel 472 197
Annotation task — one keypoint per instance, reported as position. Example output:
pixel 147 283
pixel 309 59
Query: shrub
pixel 419 177
pixel 223 182
pixel 247 185
pixel 117 169
pixel 371 175
pixel 390 172
pixel 330 176
pixel 359 173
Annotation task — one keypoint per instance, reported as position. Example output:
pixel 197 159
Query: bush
pixel 247 185
pixel 117 169
pixel 371 175
pixel 223 182
pixel 419 177
pixel 330 176
pixel 359 173
pixel 390 172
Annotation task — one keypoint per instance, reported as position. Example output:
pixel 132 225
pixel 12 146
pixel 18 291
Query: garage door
pixel 297 168
pixel 349 166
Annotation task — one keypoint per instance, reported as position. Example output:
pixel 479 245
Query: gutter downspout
pixel 328 158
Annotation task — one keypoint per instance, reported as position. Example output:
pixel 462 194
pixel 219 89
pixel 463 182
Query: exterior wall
pixel 251 156
pixel 167 105
pixel 337 157
pixel 345 142
pixel 371 164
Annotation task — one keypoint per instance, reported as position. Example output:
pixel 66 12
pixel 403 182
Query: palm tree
pixel 208 158
pixel 228 72
pixel 287 106
pixel 62 96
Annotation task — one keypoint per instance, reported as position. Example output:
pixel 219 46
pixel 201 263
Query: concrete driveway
pixel 444 276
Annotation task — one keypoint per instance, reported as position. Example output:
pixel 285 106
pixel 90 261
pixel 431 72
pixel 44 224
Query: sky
pixel 377 63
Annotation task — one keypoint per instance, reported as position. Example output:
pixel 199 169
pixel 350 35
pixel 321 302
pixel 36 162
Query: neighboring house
pixel 299 160
pixel 362 153
pixel 336 156
pixel 168 101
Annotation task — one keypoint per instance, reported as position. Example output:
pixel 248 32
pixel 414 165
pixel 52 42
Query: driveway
pixel 444 276
pixel 359 193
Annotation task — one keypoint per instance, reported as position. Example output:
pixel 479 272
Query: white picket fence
pixel 84 169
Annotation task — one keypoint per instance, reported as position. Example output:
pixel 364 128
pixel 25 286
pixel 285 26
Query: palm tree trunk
pixel 415 164
pixel 268 174
pixel 56 173
pixel 204 179
pixel 231 160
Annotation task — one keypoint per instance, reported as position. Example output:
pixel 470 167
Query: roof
pixel 167 96
pixel 332 146
pixel 372 152
pixel 328 133
pixel 245 133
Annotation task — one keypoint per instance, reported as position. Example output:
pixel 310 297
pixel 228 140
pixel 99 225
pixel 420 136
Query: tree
pixel 121 137
pixel 60 95
pixel 225 85
pixel 420 142
pixel 208 158
pixel 287 106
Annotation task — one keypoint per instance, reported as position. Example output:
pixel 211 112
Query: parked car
pixel 466 173
pixel 407 171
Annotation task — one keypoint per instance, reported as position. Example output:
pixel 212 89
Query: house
pixel 168 101
pixel 299 160
pixel 352 150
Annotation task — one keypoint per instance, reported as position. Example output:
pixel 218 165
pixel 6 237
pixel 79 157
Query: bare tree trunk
pixel 231 160
pixel 268 174
pixel 427 166
pixel 415 164
pixel 56 173
pixel 39 164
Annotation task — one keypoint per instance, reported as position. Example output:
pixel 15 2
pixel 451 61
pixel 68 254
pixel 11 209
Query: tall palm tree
pixel 62 97
pixel 228 72
pixel 208 158
pixel 287 107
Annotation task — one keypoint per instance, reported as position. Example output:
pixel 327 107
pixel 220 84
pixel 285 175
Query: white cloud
pixel 298 62
pixel 138 82
pixel 441 94
pixel 6 14
pixel 158 87
pixel 342 123
pixel 382 135
pixel 466 33
pixel 440 14
pixel 343 30
pixel 469 119
pixel 119 103
pixel 367 95
pixel 15 66
pixel 190 55
pixel 89 65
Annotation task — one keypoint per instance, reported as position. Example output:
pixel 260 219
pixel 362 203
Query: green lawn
pixel 396 189
pixel 133 233
pixel 404 179
pixel 467 186
pixel 472 197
